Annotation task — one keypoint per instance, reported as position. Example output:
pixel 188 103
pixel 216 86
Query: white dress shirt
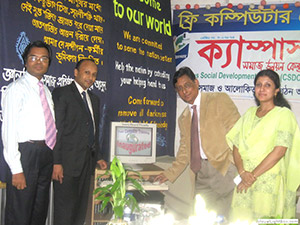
pixel 80 89
pixel 197 103
pixel 23 117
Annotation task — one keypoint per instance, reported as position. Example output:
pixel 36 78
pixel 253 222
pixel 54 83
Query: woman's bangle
pixel 242 172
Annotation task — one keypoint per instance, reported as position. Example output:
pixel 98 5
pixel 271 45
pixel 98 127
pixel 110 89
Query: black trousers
pixel 71 197
pixel 30 205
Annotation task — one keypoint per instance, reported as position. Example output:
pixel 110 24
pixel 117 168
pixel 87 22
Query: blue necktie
pixel 91 123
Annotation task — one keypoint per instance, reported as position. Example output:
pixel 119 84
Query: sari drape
pixel 273 195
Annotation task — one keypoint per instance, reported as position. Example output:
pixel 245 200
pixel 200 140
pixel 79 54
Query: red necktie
pixel 50 138
pixel 195 145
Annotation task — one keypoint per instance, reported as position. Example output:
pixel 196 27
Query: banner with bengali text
pixel 130 41
pixel 226 47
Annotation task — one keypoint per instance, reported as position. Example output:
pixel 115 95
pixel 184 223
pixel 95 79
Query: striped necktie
pixel 50 138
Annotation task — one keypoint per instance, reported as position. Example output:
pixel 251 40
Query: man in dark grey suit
pixel 77 148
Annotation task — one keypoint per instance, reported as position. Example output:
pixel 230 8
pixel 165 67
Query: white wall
pixel 242 104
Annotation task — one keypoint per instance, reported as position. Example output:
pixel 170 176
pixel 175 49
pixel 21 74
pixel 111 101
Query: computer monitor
pixel 133 143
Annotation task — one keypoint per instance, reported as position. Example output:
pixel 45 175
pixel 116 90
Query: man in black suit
pixel 77 147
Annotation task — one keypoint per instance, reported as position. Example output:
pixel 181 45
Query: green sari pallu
pixel 273 194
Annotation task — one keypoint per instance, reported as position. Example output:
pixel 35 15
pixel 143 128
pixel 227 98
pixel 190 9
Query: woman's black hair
pixel 279 100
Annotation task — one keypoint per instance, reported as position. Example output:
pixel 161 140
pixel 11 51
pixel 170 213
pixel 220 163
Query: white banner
pixel 228 62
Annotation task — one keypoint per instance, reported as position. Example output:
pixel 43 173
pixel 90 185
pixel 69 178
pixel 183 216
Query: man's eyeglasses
pixel 186 86
pixel 43 59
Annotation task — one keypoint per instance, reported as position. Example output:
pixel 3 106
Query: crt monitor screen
pixel 133 142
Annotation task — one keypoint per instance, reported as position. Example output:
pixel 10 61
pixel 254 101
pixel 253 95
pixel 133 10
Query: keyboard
pixel 147 185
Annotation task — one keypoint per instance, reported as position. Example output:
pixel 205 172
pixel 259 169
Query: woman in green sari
pixel 265 143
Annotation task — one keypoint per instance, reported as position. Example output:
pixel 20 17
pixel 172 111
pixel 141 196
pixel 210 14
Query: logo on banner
pixel 21 44
pixel 181 48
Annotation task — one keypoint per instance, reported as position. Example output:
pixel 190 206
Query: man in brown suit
pixel 213 179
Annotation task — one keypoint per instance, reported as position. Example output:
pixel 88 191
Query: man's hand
pixel 161 178
pixel 102 164
pixel 19 181
pixel 58 173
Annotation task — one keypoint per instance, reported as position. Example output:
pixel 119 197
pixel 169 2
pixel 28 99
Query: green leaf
pixel 136 184
pixel 115 193
pixel 104 203
pixel 101 198
pixel 103 206
pixel 118 210
pixel 132 203
pixel 103 190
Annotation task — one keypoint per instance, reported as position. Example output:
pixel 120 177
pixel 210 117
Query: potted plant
pixel 115 193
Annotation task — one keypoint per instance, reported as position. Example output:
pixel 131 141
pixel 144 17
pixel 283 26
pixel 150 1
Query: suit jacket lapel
pixel 94 106
pixel 187 115
pixel 77 95
pixel 186 121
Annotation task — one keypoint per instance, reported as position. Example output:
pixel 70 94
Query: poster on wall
pixel 226 47
pixel 130 41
